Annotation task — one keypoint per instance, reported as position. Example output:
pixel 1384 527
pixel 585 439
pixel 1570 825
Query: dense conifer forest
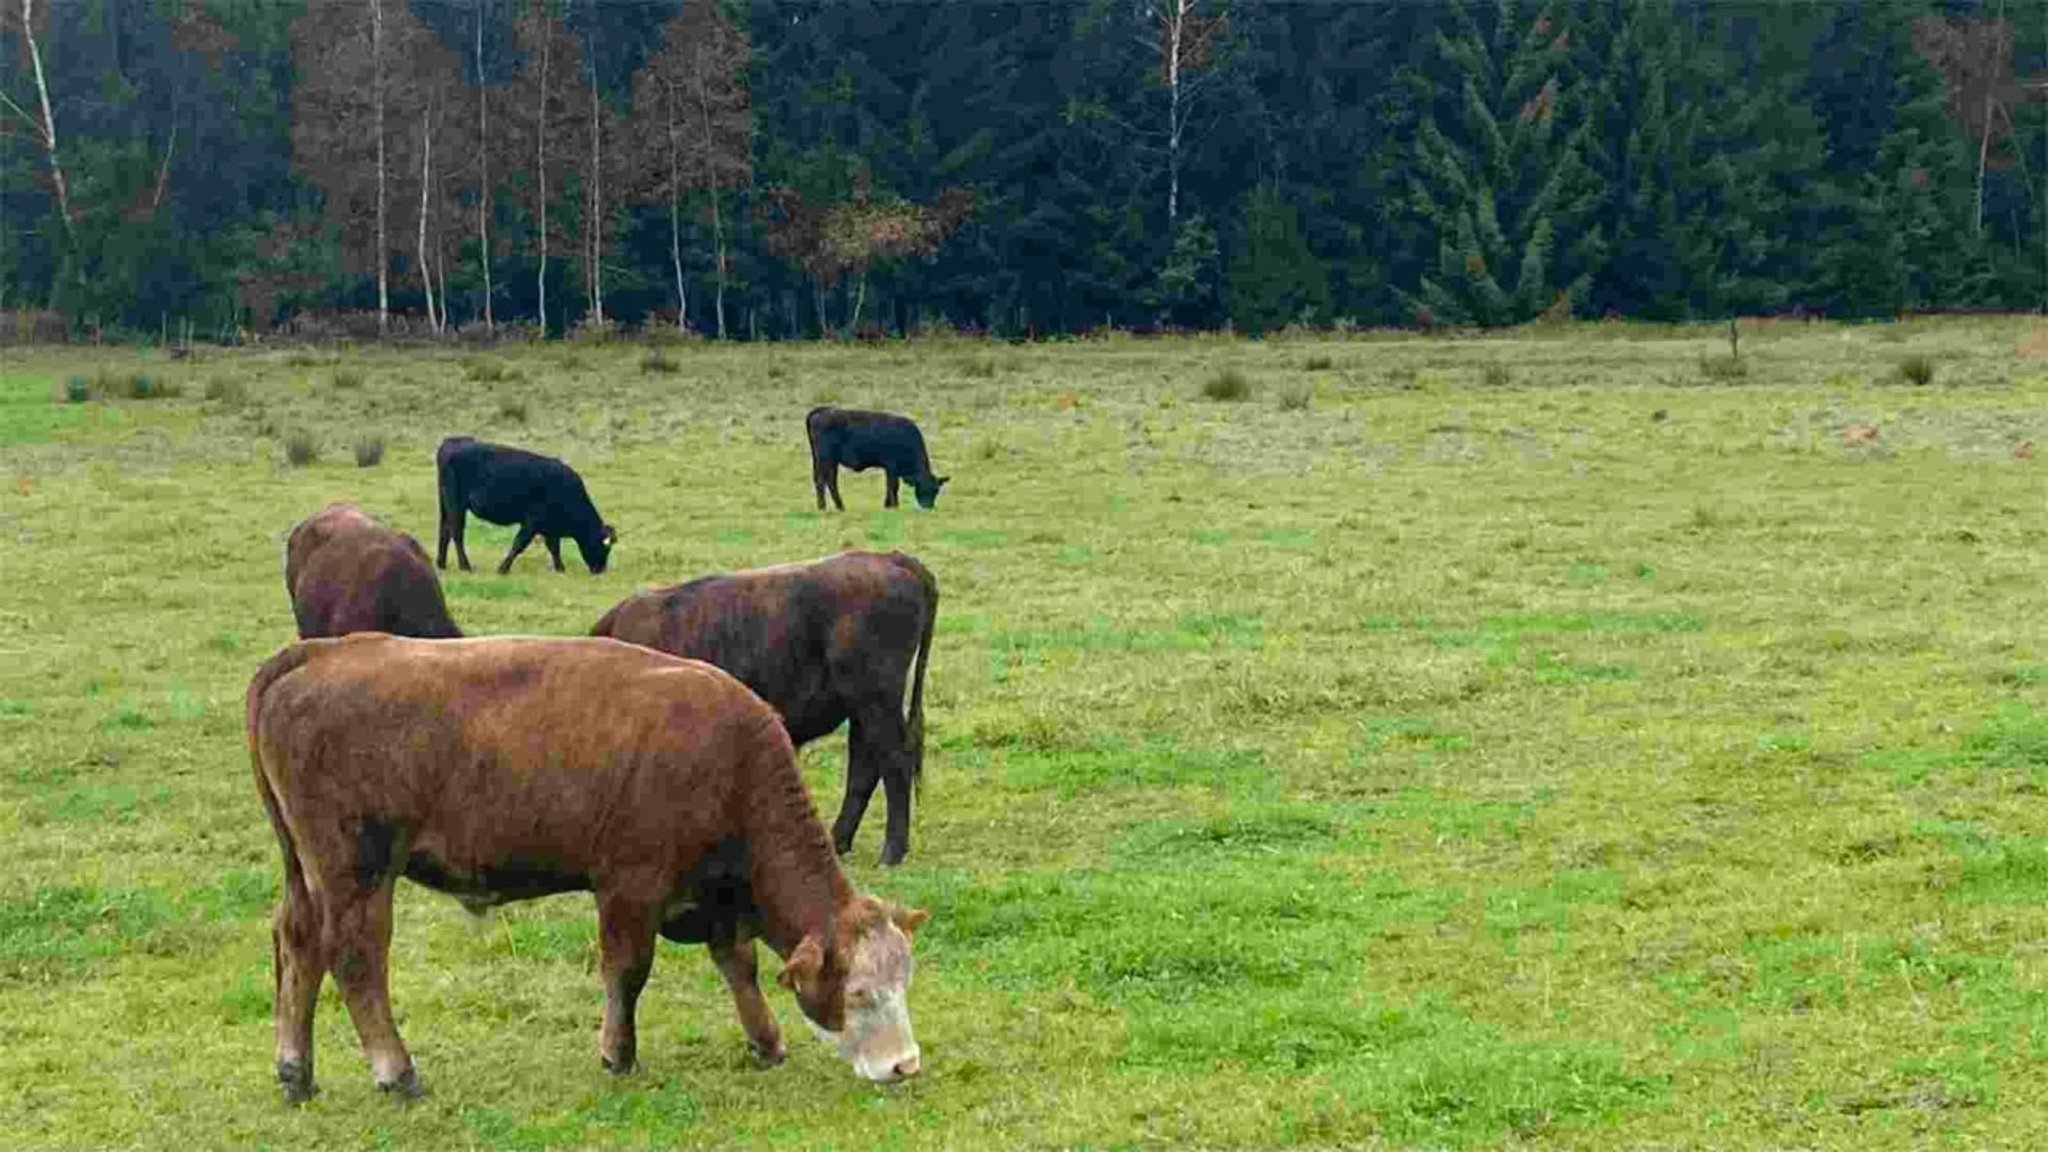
pixel 780 168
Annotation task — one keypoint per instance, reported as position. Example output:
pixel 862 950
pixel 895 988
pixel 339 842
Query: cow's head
pixel 598 553
pixel 854 988
pixel 927 490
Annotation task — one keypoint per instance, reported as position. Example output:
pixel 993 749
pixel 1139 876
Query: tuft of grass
pixel 1496 376
pixel 657 360
pixel 1723 368
pixel 1230 385
pixel 227 390
pixel 347 379
pixel 484 370
pixel 369 451
pixel 979 368
pixel 1917 370
pixel 512 407
pixel 1319 362
pixel 143 386
pixel 1294 397
pixel 77 390
pixel 300 448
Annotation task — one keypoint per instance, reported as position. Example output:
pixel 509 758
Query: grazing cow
pixel 542 495
pixel 506 769
pixel 863 440
pixel 825 643
pixel 347 573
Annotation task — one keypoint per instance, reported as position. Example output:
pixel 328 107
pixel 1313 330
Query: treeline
pixel 771 168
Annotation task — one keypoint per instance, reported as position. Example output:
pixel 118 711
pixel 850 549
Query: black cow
pixel 863 440
pixel 542 495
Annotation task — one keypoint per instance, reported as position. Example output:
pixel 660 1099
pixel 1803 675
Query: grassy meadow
pixel 1567 739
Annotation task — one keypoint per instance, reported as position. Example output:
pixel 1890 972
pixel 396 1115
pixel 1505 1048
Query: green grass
pixel 1480 763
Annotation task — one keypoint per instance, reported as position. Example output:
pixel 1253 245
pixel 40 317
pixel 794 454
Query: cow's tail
pixel 915 724
pixel 272 671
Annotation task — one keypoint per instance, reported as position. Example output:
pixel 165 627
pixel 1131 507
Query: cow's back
pixel 588 753
pixel 812 639
pixel 347 573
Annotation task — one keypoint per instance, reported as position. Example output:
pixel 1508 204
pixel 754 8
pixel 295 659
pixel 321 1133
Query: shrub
pixel 1295 397
pixel 1917 371
pixel 1227 385
pixel 369 451
pixel 346 379
pixel 1320 362
pixel 77 390
pixel 300 449
pixel 1723 367
pixel 657 360
pixel 512 408
pixel 143 386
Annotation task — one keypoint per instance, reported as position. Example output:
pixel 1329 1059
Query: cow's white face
pixel 859 1002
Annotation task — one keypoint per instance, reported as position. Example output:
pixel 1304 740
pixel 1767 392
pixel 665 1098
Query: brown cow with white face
pixel 505 769
pixel 345 573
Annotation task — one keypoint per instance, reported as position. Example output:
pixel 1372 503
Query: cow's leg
pixel 735 960
pixel 889 500
pixel 875 754
pixel 519 544
pixel 625 954
pixel 886 746
pixel 358 937
pixel 819 471
pixel 297 969
pixel 554 544
pixel 832 485
pixel 453 522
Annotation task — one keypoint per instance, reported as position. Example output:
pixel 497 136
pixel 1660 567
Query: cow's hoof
pixel 407 1087
pixel 891 859
pixel 297 1081
pixel 622 1066
pixel 769 1055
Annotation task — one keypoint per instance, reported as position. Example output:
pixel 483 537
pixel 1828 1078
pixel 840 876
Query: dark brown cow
pixel 824 642
pixel 347 573
pixel 505 769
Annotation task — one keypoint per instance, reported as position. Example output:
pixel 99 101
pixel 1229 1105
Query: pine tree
pixel 1500 173
pixel 1275 279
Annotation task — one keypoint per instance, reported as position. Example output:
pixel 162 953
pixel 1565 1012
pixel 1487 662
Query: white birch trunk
pixel 426 184
pixel 596 226
pixel 49 126
pixel 377 101
pixel 540 168
pixel 483 160
pixel 675 198
pixel 711 179
pixel 1176 27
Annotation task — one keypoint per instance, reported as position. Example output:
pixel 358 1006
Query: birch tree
pixel 543 107
pixel 42 120
pixel 1186 39
pixel 338 128
pixel 694 93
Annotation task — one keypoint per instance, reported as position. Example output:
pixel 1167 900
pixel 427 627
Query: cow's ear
pixel 803 965
pixel 611 535
pixel 939 481
pixel 908 919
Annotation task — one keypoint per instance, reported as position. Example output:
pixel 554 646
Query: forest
pixel 766 169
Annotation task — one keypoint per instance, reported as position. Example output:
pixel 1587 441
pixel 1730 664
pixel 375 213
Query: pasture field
pixel 1565 739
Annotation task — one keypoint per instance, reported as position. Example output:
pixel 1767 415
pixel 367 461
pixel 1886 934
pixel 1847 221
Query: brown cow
pixel 824 642
pixel 347 573
pixel 505 769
